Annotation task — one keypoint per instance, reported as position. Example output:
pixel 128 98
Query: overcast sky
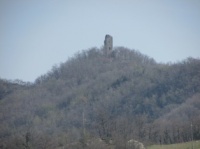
pixel 37 34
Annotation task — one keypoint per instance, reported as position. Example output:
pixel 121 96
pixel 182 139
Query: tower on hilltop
pixel 108 44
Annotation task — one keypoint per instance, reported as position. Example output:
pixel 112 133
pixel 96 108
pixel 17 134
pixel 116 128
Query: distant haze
pixel 35 34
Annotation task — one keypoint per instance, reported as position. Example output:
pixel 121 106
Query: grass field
pixel 187 145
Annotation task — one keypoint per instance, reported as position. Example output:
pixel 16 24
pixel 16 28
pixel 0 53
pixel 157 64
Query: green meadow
pixel 187 145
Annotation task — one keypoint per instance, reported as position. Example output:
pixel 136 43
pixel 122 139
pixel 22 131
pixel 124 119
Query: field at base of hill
pixel 187 145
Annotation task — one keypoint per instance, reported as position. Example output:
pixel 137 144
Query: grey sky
pixel 37 34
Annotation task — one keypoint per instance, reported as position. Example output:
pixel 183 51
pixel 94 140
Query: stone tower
pixel 108 44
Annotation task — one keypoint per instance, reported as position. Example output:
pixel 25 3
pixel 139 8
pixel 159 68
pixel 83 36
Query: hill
pixel 117 97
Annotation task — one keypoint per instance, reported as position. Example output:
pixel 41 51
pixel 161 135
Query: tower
pixel 108 44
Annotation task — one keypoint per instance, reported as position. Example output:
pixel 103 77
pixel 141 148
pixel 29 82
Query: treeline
pixel 95 100
pixel 9 86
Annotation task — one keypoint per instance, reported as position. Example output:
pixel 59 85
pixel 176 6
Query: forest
pixel 98 101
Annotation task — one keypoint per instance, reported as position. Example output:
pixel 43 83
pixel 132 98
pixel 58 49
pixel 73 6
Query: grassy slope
pixel 188 145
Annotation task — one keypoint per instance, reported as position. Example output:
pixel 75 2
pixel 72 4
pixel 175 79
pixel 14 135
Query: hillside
pixel 121 96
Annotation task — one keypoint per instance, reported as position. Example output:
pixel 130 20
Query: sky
pixel 38 34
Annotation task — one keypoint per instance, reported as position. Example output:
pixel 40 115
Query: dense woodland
pixel 96 101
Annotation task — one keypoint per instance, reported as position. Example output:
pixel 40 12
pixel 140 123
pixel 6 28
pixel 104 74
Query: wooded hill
pixel 113 98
